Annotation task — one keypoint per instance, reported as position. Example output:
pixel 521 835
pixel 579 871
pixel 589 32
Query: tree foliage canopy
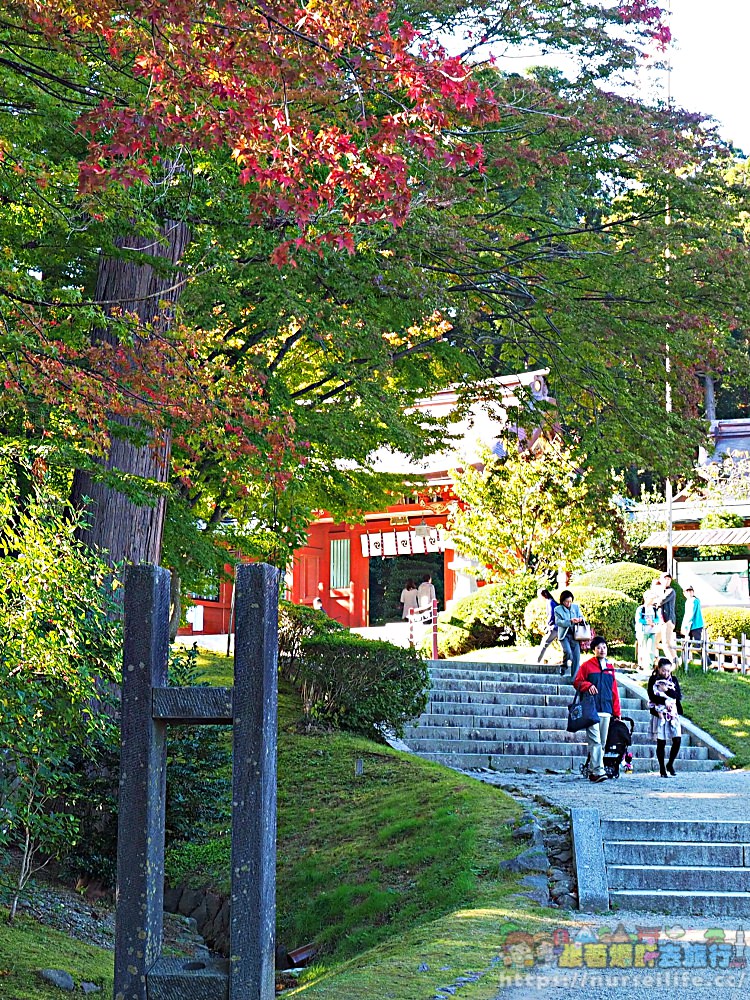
pixel 370 219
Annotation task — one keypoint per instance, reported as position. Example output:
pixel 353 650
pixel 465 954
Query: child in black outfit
pixel 665 703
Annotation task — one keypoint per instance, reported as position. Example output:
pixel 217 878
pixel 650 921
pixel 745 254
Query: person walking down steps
pixel 597 677
pixel 665 705
pixel 567 614
pixel 550 631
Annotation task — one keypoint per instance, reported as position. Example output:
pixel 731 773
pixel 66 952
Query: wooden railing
pixel 715 654
pixel 424 616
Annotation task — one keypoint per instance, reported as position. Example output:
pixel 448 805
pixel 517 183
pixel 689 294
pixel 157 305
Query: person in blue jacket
pixel 692 620
pixel 568 614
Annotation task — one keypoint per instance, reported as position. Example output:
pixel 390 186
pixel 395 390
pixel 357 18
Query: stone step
pixel 543 733
pixel 681 878
pixel 725 904
pixel 456 709
pixel 504 686
pixel 541 762
pixel 512 721
pixel 506 666
pixel 516 747
pixel 509 677
pixel 638 852
pixel 675 830
pixel 463 696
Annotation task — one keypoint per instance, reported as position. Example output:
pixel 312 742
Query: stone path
pixel 706 795
pixel 720 795
pixel 696 959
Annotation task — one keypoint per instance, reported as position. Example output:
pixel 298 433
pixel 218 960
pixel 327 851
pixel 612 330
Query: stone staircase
pixel 502 716
pixel 678 866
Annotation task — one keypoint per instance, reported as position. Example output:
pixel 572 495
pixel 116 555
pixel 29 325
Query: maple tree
pixel 342 188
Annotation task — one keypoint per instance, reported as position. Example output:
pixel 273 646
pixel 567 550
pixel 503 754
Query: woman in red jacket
pixel 597 678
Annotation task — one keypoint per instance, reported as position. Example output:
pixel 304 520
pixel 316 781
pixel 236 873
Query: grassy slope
pixel 394 874
pixel 720 703
pixel 26 947
pixel 365 861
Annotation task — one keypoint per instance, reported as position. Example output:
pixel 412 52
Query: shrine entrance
pixel 388 576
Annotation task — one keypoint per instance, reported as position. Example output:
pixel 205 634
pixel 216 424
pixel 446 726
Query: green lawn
pixel 720 703
pixel 27 946
pixel 367 860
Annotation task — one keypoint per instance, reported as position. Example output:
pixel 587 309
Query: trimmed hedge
pixel 726 623
pixel 362 685
pixel 610 613
pixel 633 579
pixel 297 622
pixel 493 616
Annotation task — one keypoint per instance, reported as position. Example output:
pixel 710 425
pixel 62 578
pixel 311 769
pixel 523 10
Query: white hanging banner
pixel 401 543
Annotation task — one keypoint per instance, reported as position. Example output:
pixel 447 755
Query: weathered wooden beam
pixel 197 705
pixel 143 766
pixel 253 900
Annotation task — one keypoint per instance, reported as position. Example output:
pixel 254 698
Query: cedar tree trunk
pixel 125 530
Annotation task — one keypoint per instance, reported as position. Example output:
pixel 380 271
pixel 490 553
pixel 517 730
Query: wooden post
pixel 148 705
pixel 743 654
pixel 434 630
pixel 253 905
pixel 704 650
pixel 411 627
pixel 143 771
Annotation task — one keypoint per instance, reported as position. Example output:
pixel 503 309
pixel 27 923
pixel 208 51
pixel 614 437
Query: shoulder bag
pixel 582 712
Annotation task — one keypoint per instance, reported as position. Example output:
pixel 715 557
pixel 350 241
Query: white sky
pixel 710 60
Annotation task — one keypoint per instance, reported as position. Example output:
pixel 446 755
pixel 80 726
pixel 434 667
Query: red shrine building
pixel 345 565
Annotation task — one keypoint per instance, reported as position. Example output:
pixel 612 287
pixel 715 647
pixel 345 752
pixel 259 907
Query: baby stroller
pixel 617 748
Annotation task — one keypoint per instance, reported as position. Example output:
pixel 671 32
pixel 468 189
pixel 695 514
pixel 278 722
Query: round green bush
pixel 726 623
pixel 633 579
pixel 493 616
pixel 610 613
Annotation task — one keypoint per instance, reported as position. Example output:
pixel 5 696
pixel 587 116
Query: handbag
pixel 582 632
pixel 582 713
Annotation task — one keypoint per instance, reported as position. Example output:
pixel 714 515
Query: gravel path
pixel 700 795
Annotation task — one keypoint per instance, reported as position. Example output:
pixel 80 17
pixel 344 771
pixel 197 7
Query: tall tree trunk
pixel 128 531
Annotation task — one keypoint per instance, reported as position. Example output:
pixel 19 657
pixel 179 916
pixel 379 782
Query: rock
pixel 566 855
pixel 58 977
pixel 532 860
pixel 568 901
pixel 172 899
pixel 200 914
pixel 213 904
pixel 189 900
pixel 558 875
pixel 90 988
pixel 524 831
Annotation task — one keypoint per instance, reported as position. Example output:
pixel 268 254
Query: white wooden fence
pixel 715 654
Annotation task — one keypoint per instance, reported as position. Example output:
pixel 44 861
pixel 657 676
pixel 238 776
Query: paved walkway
pixel 701 795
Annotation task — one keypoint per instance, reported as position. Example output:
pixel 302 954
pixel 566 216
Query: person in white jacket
pixel 426 595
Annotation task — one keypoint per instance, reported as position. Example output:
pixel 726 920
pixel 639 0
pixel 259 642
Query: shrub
pixel 633 579
pixel 493 616
pixel 361 685
pixel 610 613
pixel 296 623
pixel 726 623
pixel 198 781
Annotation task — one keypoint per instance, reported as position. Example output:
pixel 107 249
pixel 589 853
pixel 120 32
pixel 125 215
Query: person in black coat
pixel 665 704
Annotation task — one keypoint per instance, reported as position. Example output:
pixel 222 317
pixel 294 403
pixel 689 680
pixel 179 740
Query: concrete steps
pixel 502 716
pixel 678 866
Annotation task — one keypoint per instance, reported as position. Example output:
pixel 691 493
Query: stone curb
pixel 588 855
